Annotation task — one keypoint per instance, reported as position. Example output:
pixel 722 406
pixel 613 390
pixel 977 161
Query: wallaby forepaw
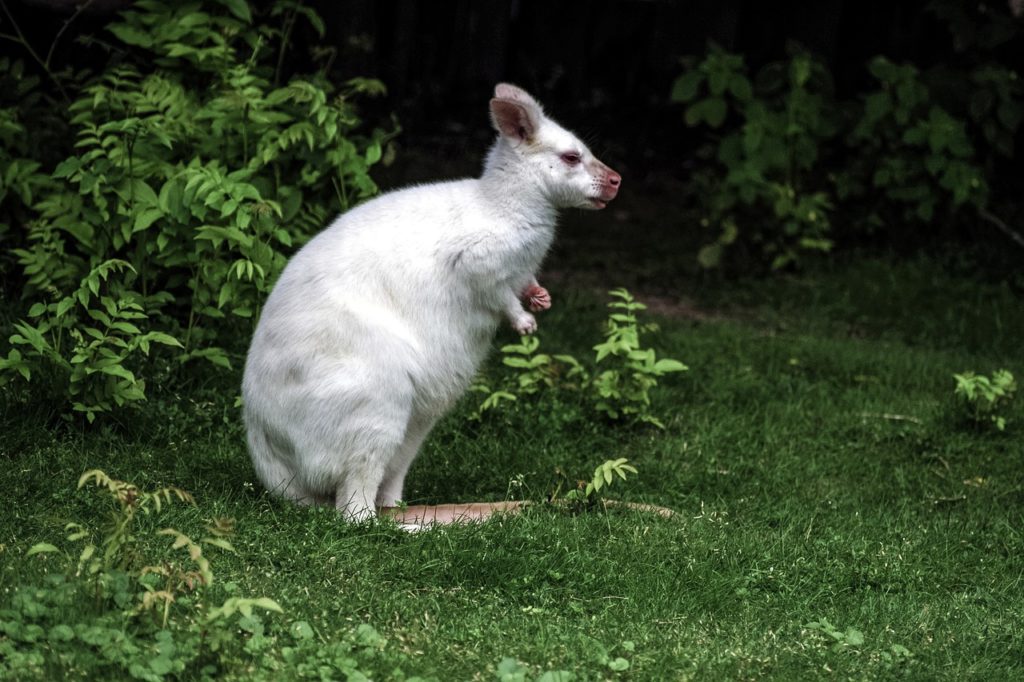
pixel 525 323
pixel 537 298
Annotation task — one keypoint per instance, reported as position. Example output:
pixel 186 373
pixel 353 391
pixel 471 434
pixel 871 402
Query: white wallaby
pixel 377 326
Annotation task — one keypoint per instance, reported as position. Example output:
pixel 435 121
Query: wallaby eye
pixel 571 158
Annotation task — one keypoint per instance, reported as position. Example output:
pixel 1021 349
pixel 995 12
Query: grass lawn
pixel 835 518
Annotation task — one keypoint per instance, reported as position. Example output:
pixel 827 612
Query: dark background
pixel 611 63
pixel 604 68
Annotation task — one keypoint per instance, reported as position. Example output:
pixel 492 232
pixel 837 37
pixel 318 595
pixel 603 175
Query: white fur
pixel 378 324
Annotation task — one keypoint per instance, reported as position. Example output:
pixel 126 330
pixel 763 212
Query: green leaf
pixel 61 633
pixel 130 35
pixel 240 8
pixel 41 548
pixel 268 604
pixel 143 194
pixel 161 665
pixel 146 217
pixel 165 339
pixel 740 88
pixel 618 664
pixel 373 153
pixel 217 356
pixel 713 111
pixel 118 371
pixel 685 87
pixel 300 629
pixel 67 167
pixel 668 365
pixel 170 199
pixel 710 256
pixel 220 542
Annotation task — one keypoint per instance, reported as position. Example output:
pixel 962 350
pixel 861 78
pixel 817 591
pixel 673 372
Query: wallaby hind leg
pixel 362 444
pixel 390 492
pixel 358 488
pixel 355 501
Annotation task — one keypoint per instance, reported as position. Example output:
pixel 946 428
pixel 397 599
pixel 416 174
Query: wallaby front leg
pixel 536 297
pixel 522 321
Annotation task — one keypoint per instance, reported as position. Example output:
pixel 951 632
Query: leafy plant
pixel 84 618
pixel 764 164
pixel 194 174
pixel 119 538
pixel 626 372
pixel 604 475
pixel 850 637
pixel 979 27
pixel 618 388
pixel 88 336
pixel 533 372
pixel 996 106
pixel 896 656
pixel 983 399
pixel 910 151
pixel 22 178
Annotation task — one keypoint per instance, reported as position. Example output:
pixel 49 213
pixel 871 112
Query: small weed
pixel 850 637
pixel 985 400
pixel 586 493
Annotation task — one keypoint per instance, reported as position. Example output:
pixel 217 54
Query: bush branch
pixel 1003 227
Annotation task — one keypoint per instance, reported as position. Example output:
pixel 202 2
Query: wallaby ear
pixel 515 93
pixel 514 112
pixel 513 120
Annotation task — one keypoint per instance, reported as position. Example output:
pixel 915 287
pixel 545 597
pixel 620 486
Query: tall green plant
pixel 197 175
pixel 762 189
pixel 912 157
pixel 21 179
pixel 626 371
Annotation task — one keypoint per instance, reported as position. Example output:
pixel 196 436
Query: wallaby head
pixel 539 151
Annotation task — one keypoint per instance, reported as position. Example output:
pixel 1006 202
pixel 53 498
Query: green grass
pixel 812 453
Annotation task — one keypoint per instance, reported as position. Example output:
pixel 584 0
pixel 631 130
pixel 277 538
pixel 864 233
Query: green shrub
pixel 113 610
pixel 910 158
pixel 762 188
pixel 22 178
pixel 784 155
pixel 194 175
pixel 120 609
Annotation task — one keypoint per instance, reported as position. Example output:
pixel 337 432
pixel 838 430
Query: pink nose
pixel 612 180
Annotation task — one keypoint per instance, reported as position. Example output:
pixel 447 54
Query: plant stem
pixel 20 38
pixel 1002 226
pixel 67 22
pixel 286 37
